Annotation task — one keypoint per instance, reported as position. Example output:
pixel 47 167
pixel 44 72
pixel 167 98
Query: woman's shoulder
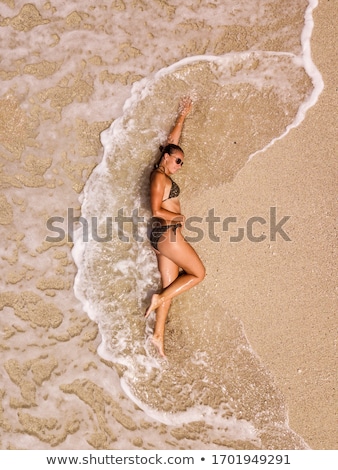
pixel 157 175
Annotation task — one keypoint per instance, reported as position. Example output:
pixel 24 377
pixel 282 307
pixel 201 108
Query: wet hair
pixel 170 149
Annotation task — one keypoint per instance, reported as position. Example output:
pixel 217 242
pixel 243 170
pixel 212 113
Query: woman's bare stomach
pixel 174 206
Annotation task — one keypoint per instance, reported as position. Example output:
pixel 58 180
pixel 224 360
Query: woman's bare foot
pixel 159 345
pixel 154 304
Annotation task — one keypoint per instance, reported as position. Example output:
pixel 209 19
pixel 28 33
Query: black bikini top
pixel 174 190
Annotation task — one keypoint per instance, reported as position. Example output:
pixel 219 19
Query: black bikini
pixel 158 230
pixel 174 190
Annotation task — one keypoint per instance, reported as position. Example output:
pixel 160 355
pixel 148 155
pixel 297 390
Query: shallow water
pixel 248 69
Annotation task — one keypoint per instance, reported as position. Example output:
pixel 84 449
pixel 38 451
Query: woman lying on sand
pixel 172 251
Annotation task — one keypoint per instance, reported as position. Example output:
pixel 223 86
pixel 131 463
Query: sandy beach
pixel 299 175
pixel 56 391
pixel 301 180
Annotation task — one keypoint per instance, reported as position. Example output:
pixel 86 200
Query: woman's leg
pixel 169 272
pixel 182 254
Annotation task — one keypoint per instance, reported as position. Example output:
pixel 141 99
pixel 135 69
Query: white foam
pixel 232 427
pixel 306 60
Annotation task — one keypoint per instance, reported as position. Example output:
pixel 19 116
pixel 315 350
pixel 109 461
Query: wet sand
pixel 284 295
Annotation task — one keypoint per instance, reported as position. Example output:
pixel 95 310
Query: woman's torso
pixel 170 200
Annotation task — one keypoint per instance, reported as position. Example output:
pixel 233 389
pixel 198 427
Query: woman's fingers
pixel 185 106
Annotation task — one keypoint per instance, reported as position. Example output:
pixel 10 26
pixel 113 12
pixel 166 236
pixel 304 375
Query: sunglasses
pixel 178 161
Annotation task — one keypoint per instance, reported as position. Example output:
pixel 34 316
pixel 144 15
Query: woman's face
pixel 174 161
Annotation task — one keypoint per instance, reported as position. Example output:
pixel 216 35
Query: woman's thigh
pixel 174 247
pixel 168 270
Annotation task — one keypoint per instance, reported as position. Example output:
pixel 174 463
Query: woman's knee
pixel 202 273
pixel 199 273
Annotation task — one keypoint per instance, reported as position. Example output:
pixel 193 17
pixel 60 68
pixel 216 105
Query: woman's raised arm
pixel 183 111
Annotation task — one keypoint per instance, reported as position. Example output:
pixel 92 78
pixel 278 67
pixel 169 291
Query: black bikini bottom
pixel 157 233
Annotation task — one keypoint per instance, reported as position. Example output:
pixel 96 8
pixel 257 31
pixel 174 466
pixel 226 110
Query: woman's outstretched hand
pixel 184 109
pixel 185 106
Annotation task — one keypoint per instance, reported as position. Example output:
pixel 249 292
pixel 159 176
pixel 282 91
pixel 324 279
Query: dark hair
pixel 170 148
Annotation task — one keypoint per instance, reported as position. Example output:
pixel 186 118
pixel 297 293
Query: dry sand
pixel 294 327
